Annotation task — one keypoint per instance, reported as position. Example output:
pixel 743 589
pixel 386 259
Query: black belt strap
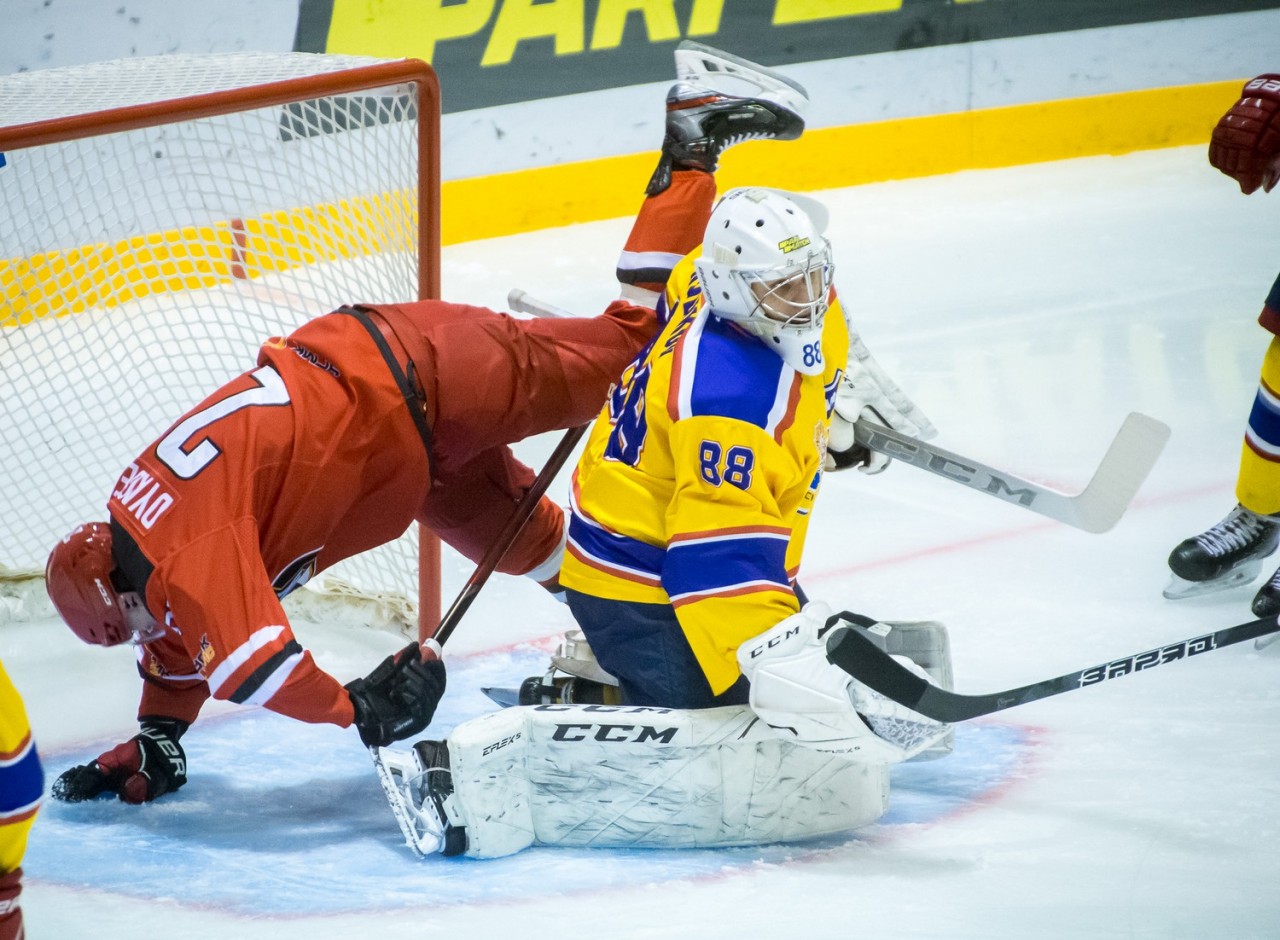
pixel 414 396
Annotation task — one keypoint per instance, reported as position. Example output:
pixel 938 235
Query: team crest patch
pixel 821 437
pixel 154 667
pixel 205 656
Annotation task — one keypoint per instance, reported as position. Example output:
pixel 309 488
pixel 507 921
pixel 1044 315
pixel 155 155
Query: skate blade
pixel 1179 588
pixel 696 63
pixel 396 770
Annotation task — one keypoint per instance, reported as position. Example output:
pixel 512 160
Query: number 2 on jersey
pixel 186 463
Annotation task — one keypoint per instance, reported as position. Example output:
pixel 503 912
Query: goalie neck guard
pixel 766 266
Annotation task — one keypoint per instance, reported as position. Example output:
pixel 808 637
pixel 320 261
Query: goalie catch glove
pixel 806 699
pixel 866 392
pixel 1246 141
pixel 145 767
pixel 398 699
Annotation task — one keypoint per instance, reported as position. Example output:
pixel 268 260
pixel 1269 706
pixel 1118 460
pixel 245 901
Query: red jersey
pixel 314 456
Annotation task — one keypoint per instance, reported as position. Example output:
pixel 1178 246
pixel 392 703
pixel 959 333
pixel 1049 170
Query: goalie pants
pixel 633 777
pixel 644 646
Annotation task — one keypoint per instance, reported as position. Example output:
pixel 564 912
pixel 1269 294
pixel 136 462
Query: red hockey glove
pixel 141 769
pixel 10 912
pixel 398 699
pixel 1247 138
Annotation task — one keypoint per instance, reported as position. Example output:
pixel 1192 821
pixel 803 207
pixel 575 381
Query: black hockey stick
pixel 522 514
pixel 860 657
pixel 421 841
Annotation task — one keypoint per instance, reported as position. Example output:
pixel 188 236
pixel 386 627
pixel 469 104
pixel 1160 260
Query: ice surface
pixel 1027 311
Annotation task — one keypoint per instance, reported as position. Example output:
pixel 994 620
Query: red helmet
pixel 78 579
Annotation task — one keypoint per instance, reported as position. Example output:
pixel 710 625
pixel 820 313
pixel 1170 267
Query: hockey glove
pixel 398 699
pixel 798 693
pixel 1246 141
pixel 867 393
pixel 141 769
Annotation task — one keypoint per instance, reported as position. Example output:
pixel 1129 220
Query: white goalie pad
pixel 626 776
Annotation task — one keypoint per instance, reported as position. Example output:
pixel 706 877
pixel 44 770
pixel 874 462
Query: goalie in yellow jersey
pixel 692 500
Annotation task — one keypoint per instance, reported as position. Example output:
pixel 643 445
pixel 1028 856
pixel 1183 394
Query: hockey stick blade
pixel 859 656
pixel 1096 509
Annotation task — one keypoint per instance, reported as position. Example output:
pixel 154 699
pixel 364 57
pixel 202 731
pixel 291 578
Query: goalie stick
pixel 1096 509
pixel 858 655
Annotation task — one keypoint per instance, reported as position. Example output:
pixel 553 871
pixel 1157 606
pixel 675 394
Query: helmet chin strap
pixel 143 627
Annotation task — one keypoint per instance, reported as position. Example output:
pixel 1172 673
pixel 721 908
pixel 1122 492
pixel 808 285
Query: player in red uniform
pixel 348 430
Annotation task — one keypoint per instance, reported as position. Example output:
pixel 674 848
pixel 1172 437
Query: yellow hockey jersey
pixel 699 475
pixel 21 777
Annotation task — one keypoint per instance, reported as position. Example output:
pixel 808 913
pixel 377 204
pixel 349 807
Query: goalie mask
pixel 766 266
pixel 79 579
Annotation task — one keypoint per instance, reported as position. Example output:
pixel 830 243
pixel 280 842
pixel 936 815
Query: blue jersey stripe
pixel 615 550
pixel 1273 298
pixel 1264 419
pixel 21 784
pixel 736 376
pixel 712 566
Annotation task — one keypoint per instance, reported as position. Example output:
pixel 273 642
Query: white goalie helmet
pixel 766 266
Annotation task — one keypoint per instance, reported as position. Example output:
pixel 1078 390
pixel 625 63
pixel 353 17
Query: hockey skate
pixel 1266 603
pixel 705 115
pixel 1225 556
pixel 418 786
pixel 573 678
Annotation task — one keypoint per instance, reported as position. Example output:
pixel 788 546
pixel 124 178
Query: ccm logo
pixel 637 734
pixel 773 642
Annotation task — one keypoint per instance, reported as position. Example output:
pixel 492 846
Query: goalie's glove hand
pixel 145 767
pixel 867 393
pixel 843 450
pixel 398 699
pixel 1246 141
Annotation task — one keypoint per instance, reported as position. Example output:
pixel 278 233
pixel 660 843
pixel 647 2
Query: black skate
pixel 1266 603
pixel 703 118
pixel 1225 556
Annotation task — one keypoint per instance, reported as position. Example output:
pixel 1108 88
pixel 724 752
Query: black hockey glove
pixel 398 699
pixel 141 769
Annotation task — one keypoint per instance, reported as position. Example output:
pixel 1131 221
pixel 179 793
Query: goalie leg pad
pixel 629 776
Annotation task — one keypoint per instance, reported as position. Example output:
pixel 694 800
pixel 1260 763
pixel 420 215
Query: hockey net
pixel 159 219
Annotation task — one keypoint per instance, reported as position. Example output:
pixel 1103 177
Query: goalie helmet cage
pixel 160 218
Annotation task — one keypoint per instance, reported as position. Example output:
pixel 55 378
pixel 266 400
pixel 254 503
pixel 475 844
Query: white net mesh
pixel 140 269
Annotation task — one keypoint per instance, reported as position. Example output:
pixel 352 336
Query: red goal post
pixel 163 216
